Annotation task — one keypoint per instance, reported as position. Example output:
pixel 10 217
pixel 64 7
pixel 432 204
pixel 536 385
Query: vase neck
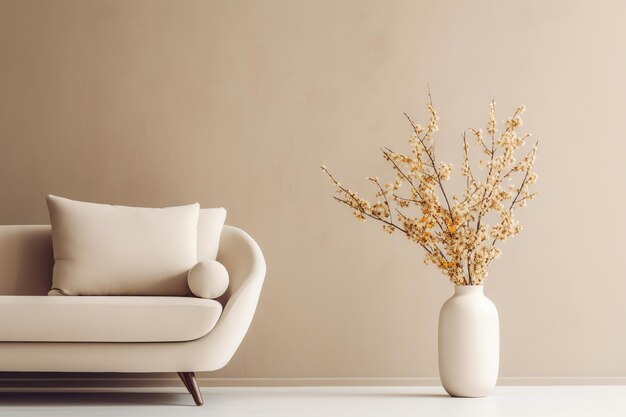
pixel 468 290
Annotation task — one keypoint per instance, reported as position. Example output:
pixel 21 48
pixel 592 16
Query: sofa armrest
pixel 245 263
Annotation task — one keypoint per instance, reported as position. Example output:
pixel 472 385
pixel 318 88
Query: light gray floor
pixel 508 401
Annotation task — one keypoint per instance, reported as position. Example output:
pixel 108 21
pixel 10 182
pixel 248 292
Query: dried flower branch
pixel 453 231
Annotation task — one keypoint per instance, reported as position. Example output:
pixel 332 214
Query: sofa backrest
pixel 26 260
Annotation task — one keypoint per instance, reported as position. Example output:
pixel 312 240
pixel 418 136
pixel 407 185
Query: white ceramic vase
pixel 469 343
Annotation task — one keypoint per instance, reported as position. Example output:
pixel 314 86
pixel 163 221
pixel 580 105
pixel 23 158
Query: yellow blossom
pixel 453 231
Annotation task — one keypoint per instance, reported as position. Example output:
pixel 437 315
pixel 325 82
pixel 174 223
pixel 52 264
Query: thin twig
pixel 384 194
pixel 434 166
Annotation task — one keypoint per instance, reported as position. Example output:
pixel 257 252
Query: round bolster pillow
pixel 208 279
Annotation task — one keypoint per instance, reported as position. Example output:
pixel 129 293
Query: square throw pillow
pixel 101 249
pixel 210 225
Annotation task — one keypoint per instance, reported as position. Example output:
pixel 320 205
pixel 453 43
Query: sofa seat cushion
pixel 106 318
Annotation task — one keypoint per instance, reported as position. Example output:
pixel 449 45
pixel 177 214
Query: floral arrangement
pixel 453 229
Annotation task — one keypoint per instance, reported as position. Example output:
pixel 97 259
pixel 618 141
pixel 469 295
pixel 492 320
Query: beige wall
pixel 237 103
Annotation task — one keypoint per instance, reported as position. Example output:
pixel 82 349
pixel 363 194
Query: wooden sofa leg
pixel 182 377
pixel 189 379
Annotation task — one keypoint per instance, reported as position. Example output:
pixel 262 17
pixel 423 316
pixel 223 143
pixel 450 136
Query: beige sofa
pixel 39 333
